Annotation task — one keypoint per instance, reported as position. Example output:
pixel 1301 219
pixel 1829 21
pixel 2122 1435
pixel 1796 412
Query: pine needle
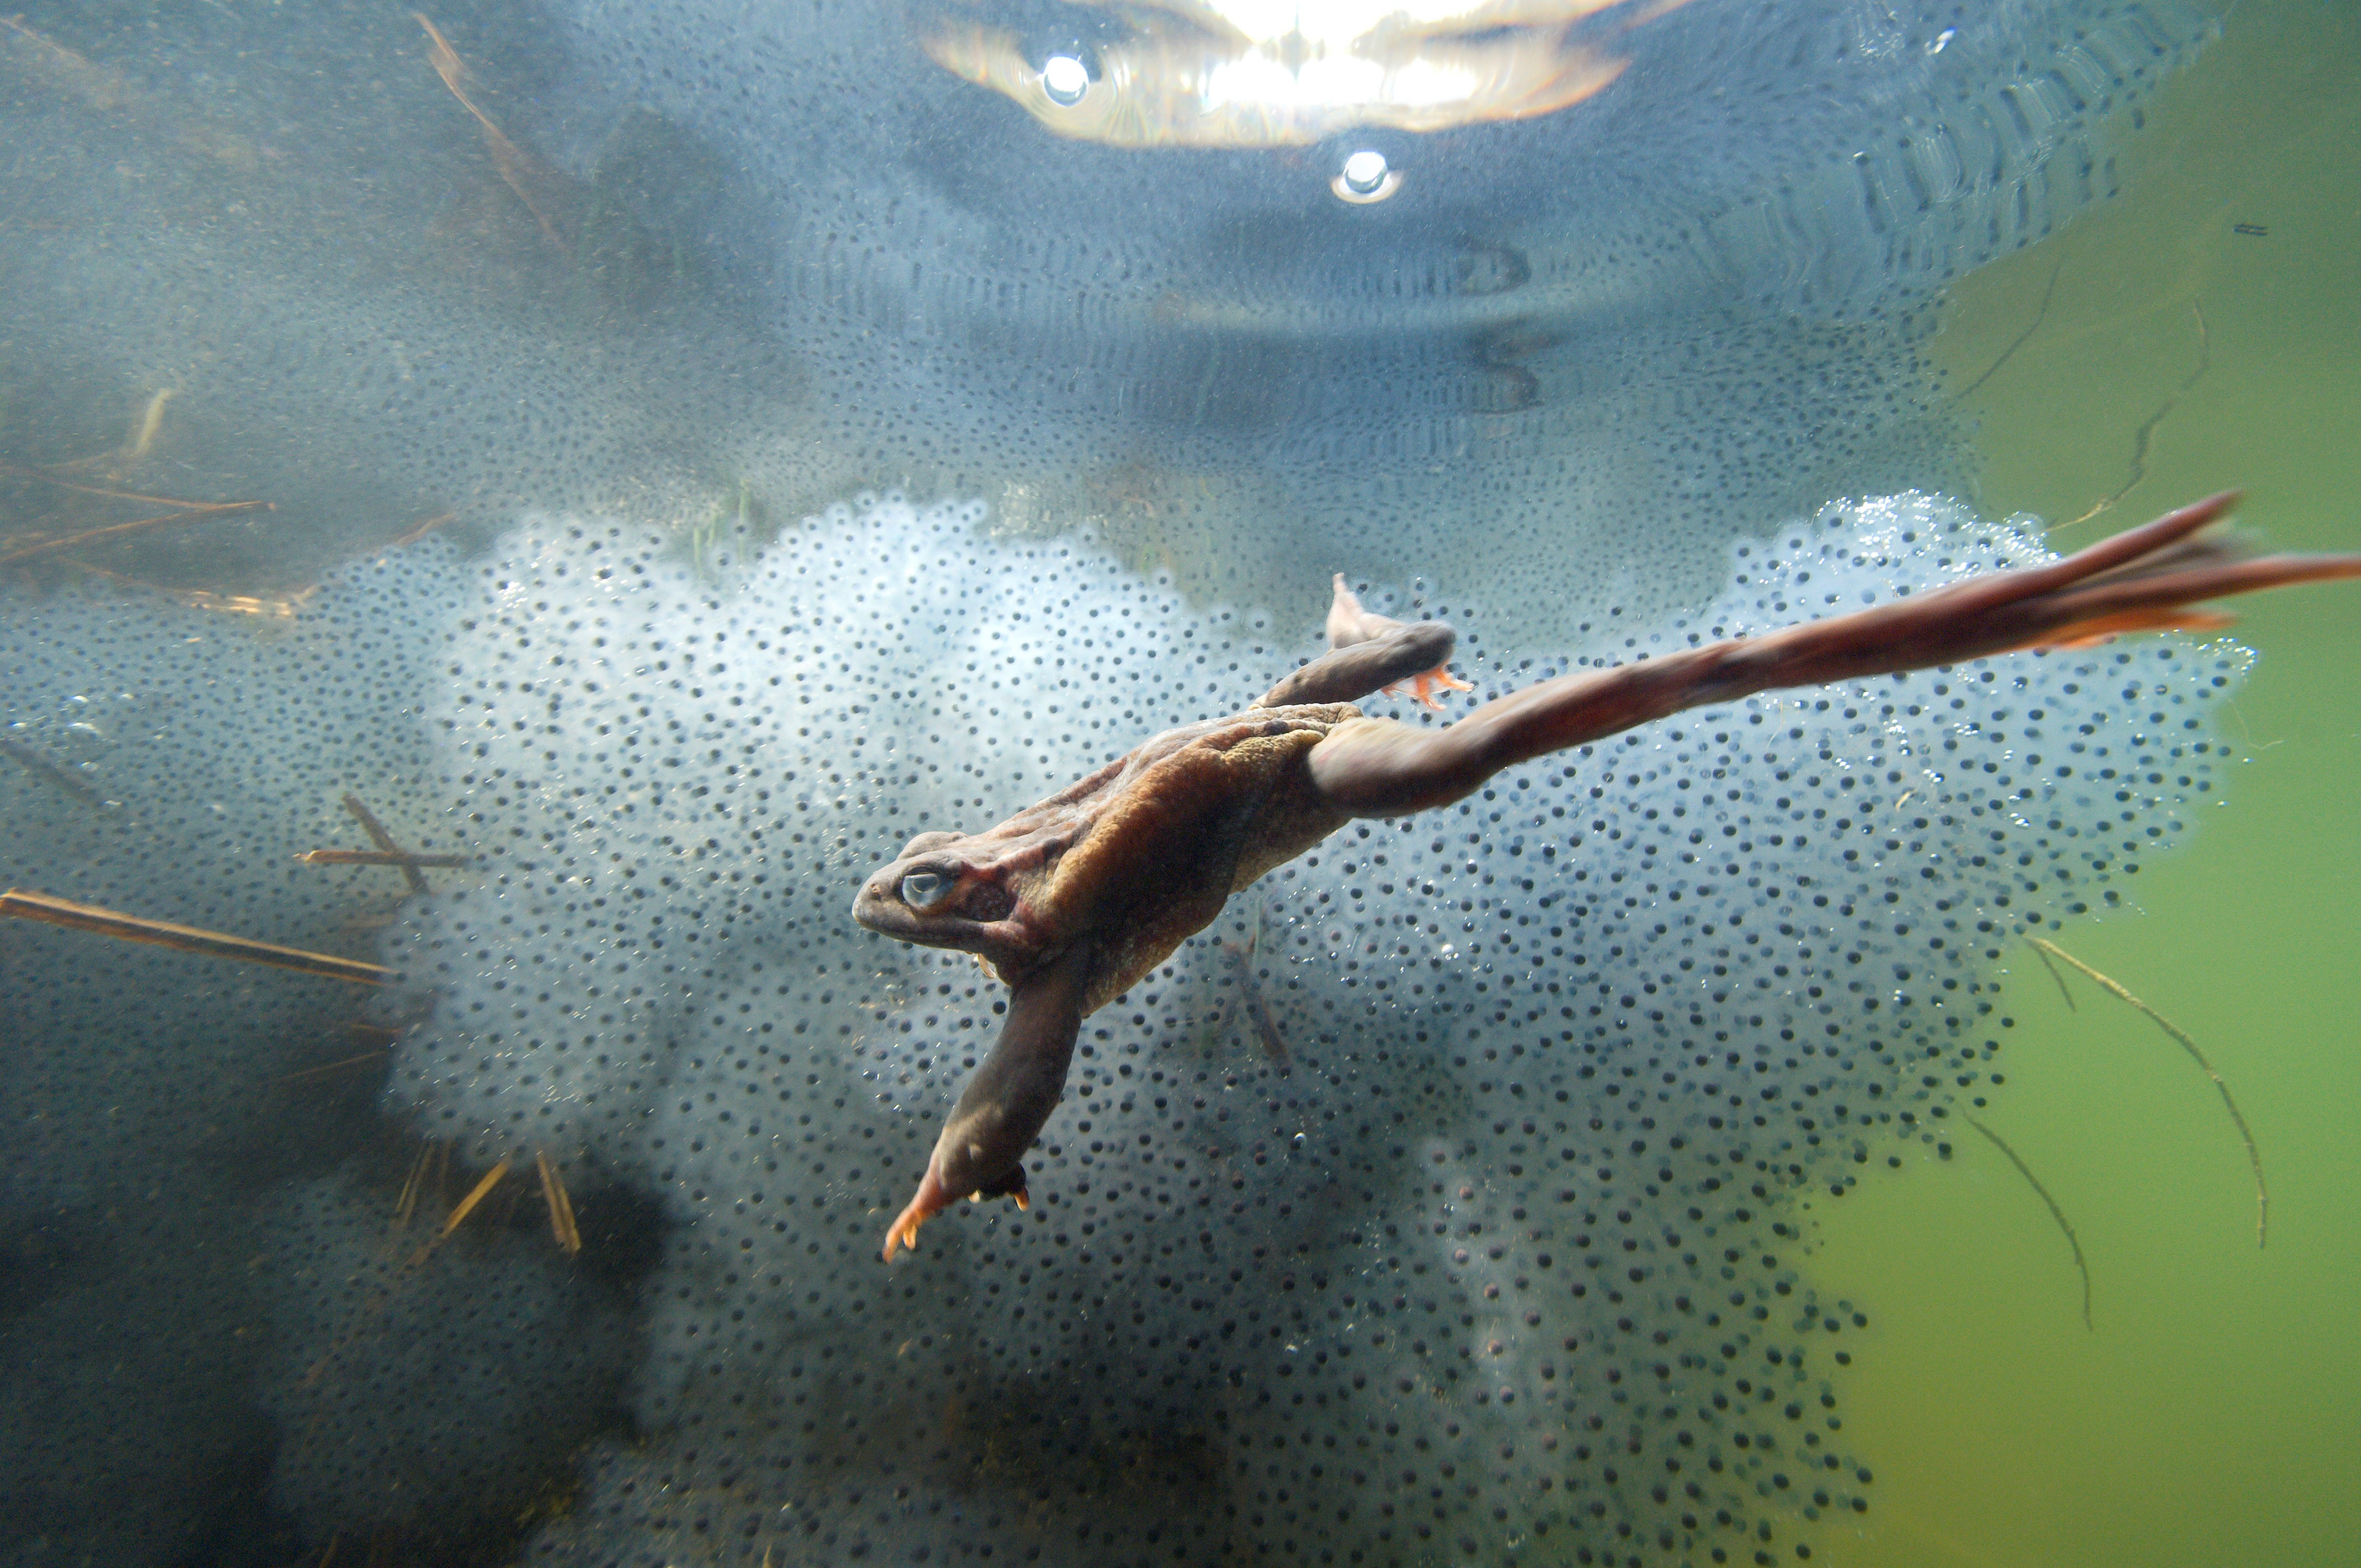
pixel 413 1186
pixel 65 541
pixel 384 842
pixel 51 911
pixel 560 1207
pixel 515 167
pixel 365 1057
pixel 476 1195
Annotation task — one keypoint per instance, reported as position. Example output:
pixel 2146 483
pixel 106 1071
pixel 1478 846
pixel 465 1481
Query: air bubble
pixel 1065 79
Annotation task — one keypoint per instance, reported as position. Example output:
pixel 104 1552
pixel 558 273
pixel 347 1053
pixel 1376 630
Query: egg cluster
pixel 720 252
pixel 172 764
pixel 1449 1194
pixel 427 1383
pixel 1588 348
pixel 1444 1200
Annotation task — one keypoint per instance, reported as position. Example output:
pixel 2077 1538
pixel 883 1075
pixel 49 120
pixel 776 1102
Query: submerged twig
pixel 41 907
pixel 2254 1155
pixel 2055 1212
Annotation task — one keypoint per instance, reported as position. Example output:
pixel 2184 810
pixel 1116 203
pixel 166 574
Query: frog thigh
pixel 1375 767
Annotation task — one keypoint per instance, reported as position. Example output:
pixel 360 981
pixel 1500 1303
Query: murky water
pixel 330 280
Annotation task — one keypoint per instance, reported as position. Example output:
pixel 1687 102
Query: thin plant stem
pixel 2055 1212
pixel 2254 1155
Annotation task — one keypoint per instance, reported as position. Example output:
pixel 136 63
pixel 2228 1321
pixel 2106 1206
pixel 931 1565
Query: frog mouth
pixel 1247 73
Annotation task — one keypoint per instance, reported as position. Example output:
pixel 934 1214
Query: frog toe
pixel 1009 1186
pixel 1426 683
pixel 931 1198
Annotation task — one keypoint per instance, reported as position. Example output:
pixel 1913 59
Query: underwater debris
pixel 1241 955
pixel 2049 293
pixel 433 1160
pixel 29 757
pixel 476 1195
pixel 41 907
pixel 105 492
pixel 387 854
pixel 67 541
pixel 2056 1212
pixel 404 858
pixel 512 161
pixel 438 1393
pixel 151 421
pixel 2144 436
pixel 2254 1155
pixel 2064 995
pixel 560 1207
pixel 324 1068
pixel 183 510
pixel 268 606
pixel 440 520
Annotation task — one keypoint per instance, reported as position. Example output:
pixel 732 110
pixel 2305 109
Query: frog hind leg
pixel 2146 579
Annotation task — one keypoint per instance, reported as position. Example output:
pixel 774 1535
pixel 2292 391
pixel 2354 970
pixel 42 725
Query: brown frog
pixel 1073 901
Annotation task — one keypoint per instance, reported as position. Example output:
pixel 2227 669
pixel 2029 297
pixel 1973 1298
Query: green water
pixel 2214 1414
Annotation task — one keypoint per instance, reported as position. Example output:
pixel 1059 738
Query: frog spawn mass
pixel 794 255
pixel 1502 1251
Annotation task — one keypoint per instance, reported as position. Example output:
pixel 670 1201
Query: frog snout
pixel 879 907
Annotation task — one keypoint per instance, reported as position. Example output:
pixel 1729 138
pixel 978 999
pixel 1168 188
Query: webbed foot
pixel 1426 683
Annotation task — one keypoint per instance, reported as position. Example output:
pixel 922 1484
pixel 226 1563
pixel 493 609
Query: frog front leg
pixel 2146 579
pixel 1005 1104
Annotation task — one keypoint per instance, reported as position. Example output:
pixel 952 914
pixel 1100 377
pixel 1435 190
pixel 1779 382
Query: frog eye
pixel 924 889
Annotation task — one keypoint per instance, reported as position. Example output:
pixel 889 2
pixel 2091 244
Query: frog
pixel 1073 900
